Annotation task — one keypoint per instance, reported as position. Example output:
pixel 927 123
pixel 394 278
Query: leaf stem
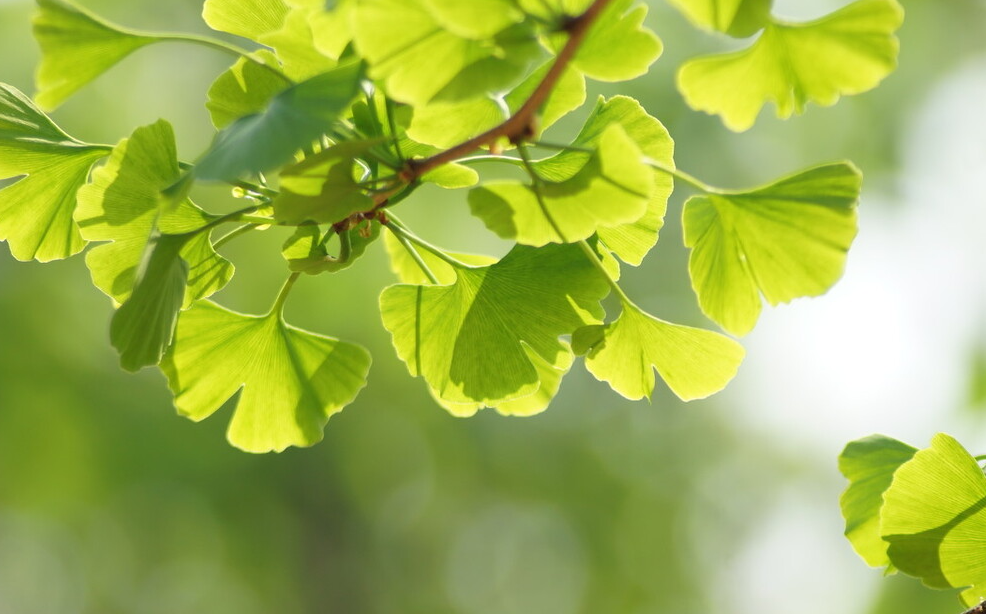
pixel 282 296
pixel 594 258
pixel 682 175
pixel 220 45
pixel 538 195
pixel 413 252
pixel 392 124
pixel 229 236
pixel 399 228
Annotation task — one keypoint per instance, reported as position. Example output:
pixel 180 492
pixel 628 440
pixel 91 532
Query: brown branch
pixel 520 125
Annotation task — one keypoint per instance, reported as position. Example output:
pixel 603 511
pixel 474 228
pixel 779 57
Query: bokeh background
pixel 111 503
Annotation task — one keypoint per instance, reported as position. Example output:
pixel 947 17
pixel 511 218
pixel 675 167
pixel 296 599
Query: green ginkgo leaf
pixel 739 18
pixel 934 518
pixel 452 335
pixel 120 207
pixel 612 188
pixel 869 464
pixel 306 253
pixel 322 188
pixel 617 46
pixel 476 19
pixel 289 381
pixel 76 47
pixel 845 53
pixel 143 327
pixel 694 363
pixel 294 44
pixel 631 241
pixel 567 95
pixel 418 60
pixel 36 210
pixel 293 120
pixel 247 18
pixel 785 240
pixel 445 124
pixel 245 89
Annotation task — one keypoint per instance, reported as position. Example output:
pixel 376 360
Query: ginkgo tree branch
pixel 520 125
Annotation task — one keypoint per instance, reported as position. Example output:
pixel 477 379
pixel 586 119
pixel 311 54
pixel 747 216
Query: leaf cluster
pixel 329 119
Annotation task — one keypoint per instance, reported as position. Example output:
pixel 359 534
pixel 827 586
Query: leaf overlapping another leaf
pixel 845 53
pixel 739 18
pixel 290 381
pixel 785 240
pixel 491 317
pixel 36 210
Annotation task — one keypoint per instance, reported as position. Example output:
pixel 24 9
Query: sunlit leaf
pixel 612 188
pixel 143 327
pixel 739 18
pixel 418 60
pixel 567 95
pixel 322 188
pixel 845 53
pixel 631 241
pixel 294 44
pixel 289 381
pixel 785 240
pixel 245 89
pixel 306 253
pixel 451 335
pixel 869 464
pixel 694 363
pixel 934 518
pixel 476 19
pixel 293 120
pixel 36 210
pixel 76 47
pixel 618 47
pixel 120 206
pixel 445 124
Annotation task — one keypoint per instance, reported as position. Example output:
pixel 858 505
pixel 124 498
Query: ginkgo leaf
pixel 245 89
pixel 869 464
pixel 612 188
pixel 290 381
pixel 934 518
pixel 419 60
pixel 143 327
pixel 847 52
pixel 306 253
pixel 120 206
pixel 76 47
pixel 694 363
pixel 617 46
pixel 409 272
pixel 631 241
pixel 445 124
pixel 292 120
pixel 36 210
pixel 322 188
pixel 247 18
pixel 739 18
pixel 294 44
pixel 451 335
pixel 567 95
pixel 785 240
pixel 476 19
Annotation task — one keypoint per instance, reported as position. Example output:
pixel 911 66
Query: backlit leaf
pixel 934 518
pixel 567 95
pixel 247 18
pixel 869 464
pixel 476 19
pixel 36 210
pixel 290 381
pixel 77 47
pixel 617 46
pixel 321 188
pixel 694 363
pixel 845 53
pixel 408 271
pixel 293 120
pixel 612 188
pixel 306 253
pixel 451 335
pixel 245 89
pixel 120 206
pixel 445 124
pixel 785 240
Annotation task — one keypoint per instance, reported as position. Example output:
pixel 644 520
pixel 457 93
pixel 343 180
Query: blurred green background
pixel 111 503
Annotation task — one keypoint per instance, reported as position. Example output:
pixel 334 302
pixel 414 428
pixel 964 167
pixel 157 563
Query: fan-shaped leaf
pixel 845 53
pixel 290 381
pixel 739 18
pixel 36 210
pixel 617 46
pixel 785 240
pixel 306 253
pixel 245 89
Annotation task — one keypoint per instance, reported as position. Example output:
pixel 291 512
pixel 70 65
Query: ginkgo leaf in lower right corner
pixel 290 380
pixel 786 240
pixel 934 519
pixel 869 464
pixel 847 52
pixel 694 363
